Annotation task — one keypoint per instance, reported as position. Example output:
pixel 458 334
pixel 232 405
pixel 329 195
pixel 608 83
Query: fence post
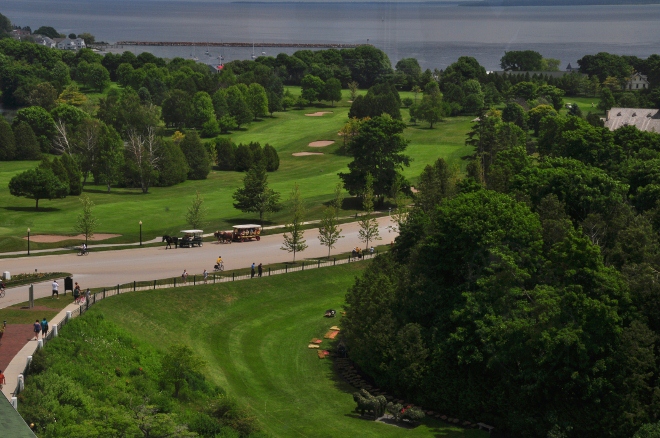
pixel 94 298
pixel 194 280
pixel 28 362
pixel 55 331
pixel 21 383
pixel 334 263
pixel 154 284
pixel 104 293
pixel 319 260
pixel 213 278
pixel 286 269
pixel 86 305
pixel 68 316
pixel 303 267
pixel 232 276
pixel 40 344
pixel 117 289
pixel 134 286
pixel 269 272
pixel 14 402
pixel 174 281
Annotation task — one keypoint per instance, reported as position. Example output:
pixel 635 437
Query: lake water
pixel 436 34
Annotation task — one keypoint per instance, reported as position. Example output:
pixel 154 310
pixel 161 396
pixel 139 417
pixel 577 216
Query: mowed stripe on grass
pixel 254 336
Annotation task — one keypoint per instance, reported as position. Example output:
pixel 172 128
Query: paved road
pixel 112 267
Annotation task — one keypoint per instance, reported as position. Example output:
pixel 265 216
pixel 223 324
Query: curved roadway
pixel 108 268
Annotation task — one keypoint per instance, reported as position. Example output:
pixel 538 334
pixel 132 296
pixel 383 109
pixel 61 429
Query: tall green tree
pixel 38 184
pixel 255 196
pixel 293 235
pixel 377 150
pixel 332 90
pixel 27 146
pixel 522 60
pixel 7 141
pixel 257 100
pixel 196 155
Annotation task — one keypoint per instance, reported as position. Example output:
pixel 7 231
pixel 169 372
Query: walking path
pixel 107 268
pixel 144 242
pixel 113 267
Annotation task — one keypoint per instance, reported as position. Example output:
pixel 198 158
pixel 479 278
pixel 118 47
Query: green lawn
pixel 254 336
pixel 163 210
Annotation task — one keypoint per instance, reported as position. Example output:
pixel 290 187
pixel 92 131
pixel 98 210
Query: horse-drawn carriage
pixel 191 238
pixel 242 233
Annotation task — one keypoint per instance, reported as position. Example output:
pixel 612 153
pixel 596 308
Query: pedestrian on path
pixel 88 296
pixel 56 287
pixel 184 276
pixel 261 269
pixel 37 329
pixel 252 271
pixel 76 293
pixel 2 380
pixel 206 276
pixel 44 327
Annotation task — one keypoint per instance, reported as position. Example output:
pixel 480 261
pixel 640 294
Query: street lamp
pixel 28 241
pixel 140 233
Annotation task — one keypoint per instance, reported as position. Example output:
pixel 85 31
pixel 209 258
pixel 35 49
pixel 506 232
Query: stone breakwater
pixel 240 44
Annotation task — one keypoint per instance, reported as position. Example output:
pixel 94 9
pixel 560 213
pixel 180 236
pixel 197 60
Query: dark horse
pixel 223 236
pixel 170 240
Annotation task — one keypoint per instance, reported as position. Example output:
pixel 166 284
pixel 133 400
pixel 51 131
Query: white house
pixel 637 81
pixel 44 41
pixel 69 44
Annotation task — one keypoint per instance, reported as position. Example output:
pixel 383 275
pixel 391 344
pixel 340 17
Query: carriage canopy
pixel 242 233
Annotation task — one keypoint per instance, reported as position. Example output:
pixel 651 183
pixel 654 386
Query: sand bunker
pixel 321 143
pixel 318 113
pixel 52 238
pixel 304 154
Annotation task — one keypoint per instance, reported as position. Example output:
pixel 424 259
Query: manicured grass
pixel 584 103
pixel 162 210
pixel 254 336
pixel 20 314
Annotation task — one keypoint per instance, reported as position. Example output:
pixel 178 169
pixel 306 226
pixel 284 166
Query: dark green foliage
pixel 243 159
pixel 380 99
pixel 73 173
pixel 377 150
pixel 71 116
pixel 27 146
pixel 271 159
pixel 48 31
pixel 516 114
pixel 523 60
pixel 226 151
pixel 255 196
pixel 105 382
pixel 41 122
pixel 38 184
pixel 196 155
pixel 173 166
pixel 7 141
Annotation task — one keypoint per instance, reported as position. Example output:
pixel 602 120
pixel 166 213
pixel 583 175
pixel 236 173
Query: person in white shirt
pixel 56 287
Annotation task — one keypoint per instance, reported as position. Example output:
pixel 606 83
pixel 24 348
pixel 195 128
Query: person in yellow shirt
pixel 219 266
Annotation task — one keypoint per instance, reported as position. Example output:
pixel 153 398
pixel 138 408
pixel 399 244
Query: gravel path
pixel 112 267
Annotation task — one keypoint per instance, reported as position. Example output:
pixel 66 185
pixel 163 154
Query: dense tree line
pixel 525 294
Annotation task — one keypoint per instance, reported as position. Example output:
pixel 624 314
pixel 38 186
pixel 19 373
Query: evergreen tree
pixel 27 146
pixel 7 142
pixel 196 155
pixel 255 196
pixel 271 159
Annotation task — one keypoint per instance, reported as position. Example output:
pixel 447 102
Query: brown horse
pixel 223 236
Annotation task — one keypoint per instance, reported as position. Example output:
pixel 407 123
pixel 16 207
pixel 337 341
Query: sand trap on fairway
pixel 318 113
pixel 321 143
pixel 304 154
pixel 52 238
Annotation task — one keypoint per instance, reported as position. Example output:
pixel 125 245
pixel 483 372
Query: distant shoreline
pixel 513 3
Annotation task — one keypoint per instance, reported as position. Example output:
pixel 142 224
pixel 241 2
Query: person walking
pixel 252 271
pixel 206 276
pixel 76 293
pixel 55 287
pixel 2 380
pixel 37 330
pixel 44 328
pixel 184 276
pixel 260 268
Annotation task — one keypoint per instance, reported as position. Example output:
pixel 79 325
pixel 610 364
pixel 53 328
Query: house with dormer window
pixel 637 81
